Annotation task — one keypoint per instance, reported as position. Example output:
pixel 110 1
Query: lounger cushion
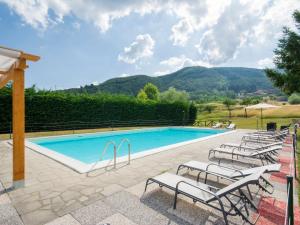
pixel 252 179
pixel 268 168
pixel 213 168
pixel 252 147
pixel 228 172
pixel 171 180
pixel 247 153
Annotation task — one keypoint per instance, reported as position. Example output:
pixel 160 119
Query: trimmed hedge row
pixel 45 110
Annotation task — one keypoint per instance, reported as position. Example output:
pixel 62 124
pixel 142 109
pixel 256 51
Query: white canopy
pixel 262 106
pixel 7 58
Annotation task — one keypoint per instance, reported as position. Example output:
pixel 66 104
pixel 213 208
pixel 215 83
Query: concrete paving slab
pixel 64 220
pixel 93 214
pixel 9 215
pixel 117 219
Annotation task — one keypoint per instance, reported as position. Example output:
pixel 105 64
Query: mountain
pixel 195 80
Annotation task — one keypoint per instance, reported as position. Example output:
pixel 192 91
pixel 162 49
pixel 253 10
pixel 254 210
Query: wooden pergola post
pixel 18 109
pixel 16 74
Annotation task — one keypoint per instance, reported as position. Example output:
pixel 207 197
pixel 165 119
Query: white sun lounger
pixel 242 146
pixel 264 155
pixel 228 172
pixel 231 126
pixel 217 125
pixel 211 196
pixel 270 138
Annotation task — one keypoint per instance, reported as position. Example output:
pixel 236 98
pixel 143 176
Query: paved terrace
pixel 56 195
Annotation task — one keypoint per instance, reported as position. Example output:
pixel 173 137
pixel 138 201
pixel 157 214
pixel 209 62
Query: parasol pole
pixel 261 120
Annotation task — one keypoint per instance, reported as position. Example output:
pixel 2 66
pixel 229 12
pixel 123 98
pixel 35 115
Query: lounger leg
pixel 223 211
pixel 251 197
pixel 147 183
pixel 237 210
pixel 248 200
pixel 205 179
pixel 179 168
pixel 198 176
pixel 175 200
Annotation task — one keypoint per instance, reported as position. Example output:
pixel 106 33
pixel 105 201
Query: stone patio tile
pixel 26 207
pixel 110 189
pixel 64 220
pixel 38 217
pixel 69 195
pixel 117 219
pixel 93 198
pixel 93 214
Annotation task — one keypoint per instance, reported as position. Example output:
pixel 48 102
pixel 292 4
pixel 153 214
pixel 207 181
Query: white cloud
pixel 141 48
pixel 173 64
pixel 181 32
pixel 124 75
pixel 265 63
pixel 95 83
pixel 36 12
pixel 278 14
pixel 244 22
pixel 222 41
pixel 222 26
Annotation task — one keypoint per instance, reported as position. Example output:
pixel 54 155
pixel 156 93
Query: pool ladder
pixel 116 149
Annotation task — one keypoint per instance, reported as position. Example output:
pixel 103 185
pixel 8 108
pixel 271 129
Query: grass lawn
pixel 282 115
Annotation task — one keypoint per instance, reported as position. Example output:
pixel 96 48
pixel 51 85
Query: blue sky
pixel 82 42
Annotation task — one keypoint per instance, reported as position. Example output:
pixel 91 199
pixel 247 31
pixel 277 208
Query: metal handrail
pixel 109 143
pixel 129 148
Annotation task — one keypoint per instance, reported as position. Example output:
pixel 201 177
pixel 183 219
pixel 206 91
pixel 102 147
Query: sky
pixel 89 41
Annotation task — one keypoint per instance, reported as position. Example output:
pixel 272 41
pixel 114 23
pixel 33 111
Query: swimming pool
pixel 82 151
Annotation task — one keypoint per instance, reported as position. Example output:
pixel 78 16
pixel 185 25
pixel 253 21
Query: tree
pixel 287 60
pixel 209 108
pixel 294 99
pixel 172 95
pixel 142 95
pixel 151 91
pixel 229 103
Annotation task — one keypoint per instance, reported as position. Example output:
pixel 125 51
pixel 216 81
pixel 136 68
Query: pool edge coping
pixel 82 168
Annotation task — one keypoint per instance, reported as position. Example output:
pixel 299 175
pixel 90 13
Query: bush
pixel 294 99
pixel 46 110
pixel 172 95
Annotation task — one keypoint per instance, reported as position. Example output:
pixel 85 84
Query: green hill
pixel 196 81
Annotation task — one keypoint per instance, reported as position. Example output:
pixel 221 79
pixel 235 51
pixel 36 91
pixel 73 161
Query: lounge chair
pixel 243 146
pixel 228 172
pixel 211 196
pixel 265 132
pixel 263 155
pixel 217 125
pixel 264 138
pixel 231 126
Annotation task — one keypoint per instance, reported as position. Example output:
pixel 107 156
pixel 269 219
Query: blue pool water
pixel 87 148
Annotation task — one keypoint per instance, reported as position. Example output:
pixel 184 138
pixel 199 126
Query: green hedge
pixel 46 110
